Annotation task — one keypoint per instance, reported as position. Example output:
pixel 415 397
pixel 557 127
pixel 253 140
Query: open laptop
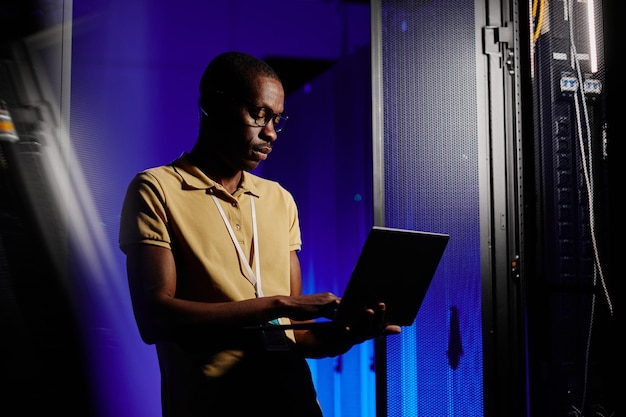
pixel 395 266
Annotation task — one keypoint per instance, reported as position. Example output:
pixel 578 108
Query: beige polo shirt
pixel 171 206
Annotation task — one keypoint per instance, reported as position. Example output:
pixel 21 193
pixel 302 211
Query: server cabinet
pixel 447 158
pixel 570 300
pixel 489 124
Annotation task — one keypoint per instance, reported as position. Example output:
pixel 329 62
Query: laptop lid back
pixel 396 266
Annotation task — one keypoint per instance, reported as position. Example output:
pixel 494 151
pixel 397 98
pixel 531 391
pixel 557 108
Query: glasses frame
pixel 262 121
pixel 254 110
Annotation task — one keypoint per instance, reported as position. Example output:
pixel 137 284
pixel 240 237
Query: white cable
pixel 587 161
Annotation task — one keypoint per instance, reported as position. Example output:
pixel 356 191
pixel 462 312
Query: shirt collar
pixel 194 179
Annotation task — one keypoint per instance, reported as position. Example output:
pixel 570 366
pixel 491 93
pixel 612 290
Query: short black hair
pixel 232 73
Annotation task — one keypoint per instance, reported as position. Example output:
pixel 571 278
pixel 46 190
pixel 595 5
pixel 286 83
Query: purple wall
pixel 135 71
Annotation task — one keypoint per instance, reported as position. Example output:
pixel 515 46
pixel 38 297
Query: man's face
pixel 249 142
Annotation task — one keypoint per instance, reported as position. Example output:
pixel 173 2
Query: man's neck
pixel 218 172
pixel 230 184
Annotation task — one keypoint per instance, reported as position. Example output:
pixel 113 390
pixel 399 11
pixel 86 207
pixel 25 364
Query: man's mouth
pixel 262 151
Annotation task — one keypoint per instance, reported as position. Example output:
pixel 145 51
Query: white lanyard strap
pixel 255 280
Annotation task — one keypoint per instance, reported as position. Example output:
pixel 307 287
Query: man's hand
pixel 372 324
pixel 333 341
pixel 309 307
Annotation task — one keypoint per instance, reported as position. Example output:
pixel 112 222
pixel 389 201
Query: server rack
pixel 530 212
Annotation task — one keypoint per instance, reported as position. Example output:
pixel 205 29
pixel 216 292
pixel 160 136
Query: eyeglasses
pixel 261 115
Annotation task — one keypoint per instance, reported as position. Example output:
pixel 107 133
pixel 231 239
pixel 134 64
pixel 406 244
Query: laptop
pixel 395 266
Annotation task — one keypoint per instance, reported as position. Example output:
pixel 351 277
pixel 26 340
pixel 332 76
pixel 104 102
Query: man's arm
pixel 161 316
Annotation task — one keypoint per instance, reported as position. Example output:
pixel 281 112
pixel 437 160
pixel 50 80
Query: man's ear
pixel 212 104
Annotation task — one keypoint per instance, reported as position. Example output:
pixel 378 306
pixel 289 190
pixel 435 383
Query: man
pixel 212 255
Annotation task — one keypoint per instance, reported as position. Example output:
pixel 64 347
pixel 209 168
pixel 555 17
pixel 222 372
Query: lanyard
pixel 255 280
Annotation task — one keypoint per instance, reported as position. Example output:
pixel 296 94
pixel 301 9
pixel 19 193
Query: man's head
pixel 241 103
pixel 233 74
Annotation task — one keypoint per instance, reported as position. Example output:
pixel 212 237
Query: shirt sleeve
pixel 144 214
pixel 295 238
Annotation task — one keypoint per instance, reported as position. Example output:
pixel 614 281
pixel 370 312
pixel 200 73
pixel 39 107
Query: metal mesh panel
pixel 570 347
pixel 431 183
